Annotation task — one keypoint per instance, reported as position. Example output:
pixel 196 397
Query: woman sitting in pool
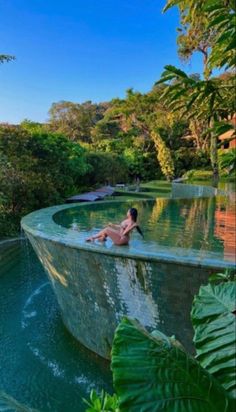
pixel 119 234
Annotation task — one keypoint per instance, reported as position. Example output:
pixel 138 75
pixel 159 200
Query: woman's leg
pixel 102 235
pixel 116 237
pixel 112 233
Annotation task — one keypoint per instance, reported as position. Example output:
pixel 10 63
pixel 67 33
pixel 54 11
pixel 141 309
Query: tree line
pixel 163 133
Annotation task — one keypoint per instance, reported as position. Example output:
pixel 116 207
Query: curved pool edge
pixel 96 286
pixel 40 223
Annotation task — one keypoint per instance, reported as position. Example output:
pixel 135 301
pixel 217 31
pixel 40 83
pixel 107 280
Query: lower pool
pixel 41 364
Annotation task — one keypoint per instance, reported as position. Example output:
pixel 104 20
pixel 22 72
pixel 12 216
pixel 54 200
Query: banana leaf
pixel 152 373
pixel 213 319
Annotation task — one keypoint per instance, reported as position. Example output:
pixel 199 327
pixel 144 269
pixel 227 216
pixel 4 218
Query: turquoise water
pixel 41 364
pixel 202 225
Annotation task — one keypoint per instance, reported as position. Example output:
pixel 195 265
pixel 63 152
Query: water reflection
pixel 203 224
pixel 225 226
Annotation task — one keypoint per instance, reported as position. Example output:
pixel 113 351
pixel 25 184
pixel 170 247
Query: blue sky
pixel 81 50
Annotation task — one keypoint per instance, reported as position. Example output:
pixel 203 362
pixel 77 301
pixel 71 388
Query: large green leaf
pixel 227 159
pixel 152 373
pixel 170 3
pixel 213 318
pixel 178 72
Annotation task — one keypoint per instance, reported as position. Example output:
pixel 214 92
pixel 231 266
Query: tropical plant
pixel 105 168
pixel 33 127
pixel 207 26
pixel 228 160
pixel 139 126
pixel 144 165
pixel 36 170
pixel 226 276
pixel 75 120
pixel 198 175
pixel 152 372
pixel 200 99
pixel 186 158
pixel 213 319
pixel 102 402
pixel 194 33
pixel 222 19
pixel 164 156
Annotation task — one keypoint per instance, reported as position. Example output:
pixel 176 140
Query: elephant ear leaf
pixel 153 374
pixel 213 319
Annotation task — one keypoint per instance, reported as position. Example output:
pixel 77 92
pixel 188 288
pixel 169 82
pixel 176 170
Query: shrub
pixel 105 168
pixel 187 158
pixel 36 170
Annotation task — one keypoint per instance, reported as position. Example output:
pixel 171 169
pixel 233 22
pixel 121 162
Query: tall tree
pixel 210 100
pixel 212 32
pixel 207 26
pixel 75 120
pixel 140 117
pixel 194 33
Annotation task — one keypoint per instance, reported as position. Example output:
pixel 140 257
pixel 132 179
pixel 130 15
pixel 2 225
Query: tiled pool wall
pixel 95 290
pixel 188 191
pixel 95 286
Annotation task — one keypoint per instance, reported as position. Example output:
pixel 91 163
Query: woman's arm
pixel 114 225
pixel 129 229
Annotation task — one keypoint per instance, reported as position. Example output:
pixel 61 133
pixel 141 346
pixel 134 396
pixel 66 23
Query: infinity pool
pixel 203 227
pixel 41 364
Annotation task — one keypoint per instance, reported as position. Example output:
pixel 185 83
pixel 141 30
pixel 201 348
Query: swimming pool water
pixel 202 225
pixel 41 364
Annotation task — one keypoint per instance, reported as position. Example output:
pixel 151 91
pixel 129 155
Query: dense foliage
pixel 213 318
pixel 36 170
pixel 75 120
pixel 154 371
pixel 164 133
pixel 153 141
pixel 207 26
pixel 108 168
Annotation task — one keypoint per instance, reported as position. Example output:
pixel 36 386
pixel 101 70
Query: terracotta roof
pixel 226 135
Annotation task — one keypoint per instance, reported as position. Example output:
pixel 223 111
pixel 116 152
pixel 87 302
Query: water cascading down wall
pixel 96 285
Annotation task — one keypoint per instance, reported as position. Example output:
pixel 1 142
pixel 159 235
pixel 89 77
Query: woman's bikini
pixel 123 226
pixel 118 231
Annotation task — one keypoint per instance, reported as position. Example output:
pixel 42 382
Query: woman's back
pixel 124 224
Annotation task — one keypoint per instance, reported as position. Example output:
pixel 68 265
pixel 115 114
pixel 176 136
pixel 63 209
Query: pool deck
pixel 93 196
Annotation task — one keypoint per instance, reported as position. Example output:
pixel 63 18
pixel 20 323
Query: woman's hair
pixel 134 214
